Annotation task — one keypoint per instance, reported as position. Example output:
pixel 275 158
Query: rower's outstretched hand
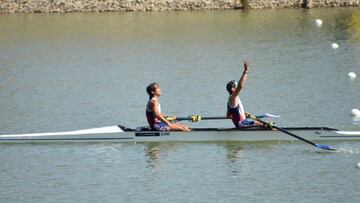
pixel 246 65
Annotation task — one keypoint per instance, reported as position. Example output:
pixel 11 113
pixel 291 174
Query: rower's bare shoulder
pixel 153 102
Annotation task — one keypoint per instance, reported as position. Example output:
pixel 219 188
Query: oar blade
pixel 268 115
pixel 326 147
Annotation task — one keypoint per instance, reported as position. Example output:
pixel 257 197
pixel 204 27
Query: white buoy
pixel 334 45
pixel 318 22
pixel 352 75
pixel 358 165
pixel 355 112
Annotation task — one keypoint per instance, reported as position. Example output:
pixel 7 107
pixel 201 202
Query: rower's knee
pixel 180 128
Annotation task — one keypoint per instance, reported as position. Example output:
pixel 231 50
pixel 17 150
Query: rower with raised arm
pixel 235 108
pixel 157 120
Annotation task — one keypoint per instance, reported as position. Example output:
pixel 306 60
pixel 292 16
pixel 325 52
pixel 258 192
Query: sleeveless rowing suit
pixel 154 122
pixel 237 114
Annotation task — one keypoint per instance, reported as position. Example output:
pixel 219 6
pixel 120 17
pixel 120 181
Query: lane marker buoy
pixel 352 75
pixel 318 22
pixel 334 45
pixel 355 112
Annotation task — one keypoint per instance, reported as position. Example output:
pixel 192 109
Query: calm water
pixel 76 71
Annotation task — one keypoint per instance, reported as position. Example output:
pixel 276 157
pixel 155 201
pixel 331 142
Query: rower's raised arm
pixel 242 79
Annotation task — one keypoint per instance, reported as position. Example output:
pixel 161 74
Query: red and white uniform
pixel 237 114
pixel 154 122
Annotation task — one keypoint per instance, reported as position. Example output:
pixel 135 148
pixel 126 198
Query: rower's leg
pixel 179 127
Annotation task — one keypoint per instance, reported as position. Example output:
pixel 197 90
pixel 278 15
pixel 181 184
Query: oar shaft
pixel 293 135
pixel 202 118
pixel 214 118
pixel 286 132
pixel 191 118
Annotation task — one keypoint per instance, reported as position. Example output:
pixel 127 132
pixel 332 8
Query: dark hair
pixel 230 85
pixel 151 88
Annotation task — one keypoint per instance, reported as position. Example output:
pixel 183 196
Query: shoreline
pixel 71 6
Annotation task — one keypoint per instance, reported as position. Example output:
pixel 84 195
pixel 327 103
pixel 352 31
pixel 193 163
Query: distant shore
pixel 65 6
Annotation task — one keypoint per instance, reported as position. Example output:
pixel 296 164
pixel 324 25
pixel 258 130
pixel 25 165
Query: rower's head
pixel 153 89
pixel 230 86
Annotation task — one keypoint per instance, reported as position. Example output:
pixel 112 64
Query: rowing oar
pixel 271 126
pixel 196 118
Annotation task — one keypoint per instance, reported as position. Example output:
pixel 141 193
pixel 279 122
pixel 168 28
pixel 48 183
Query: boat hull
pixel 197 135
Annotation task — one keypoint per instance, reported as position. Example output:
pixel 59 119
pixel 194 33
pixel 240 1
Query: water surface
pixel 75 71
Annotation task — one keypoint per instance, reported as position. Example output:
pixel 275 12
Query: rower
pixel 157 121
pixel 235 108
